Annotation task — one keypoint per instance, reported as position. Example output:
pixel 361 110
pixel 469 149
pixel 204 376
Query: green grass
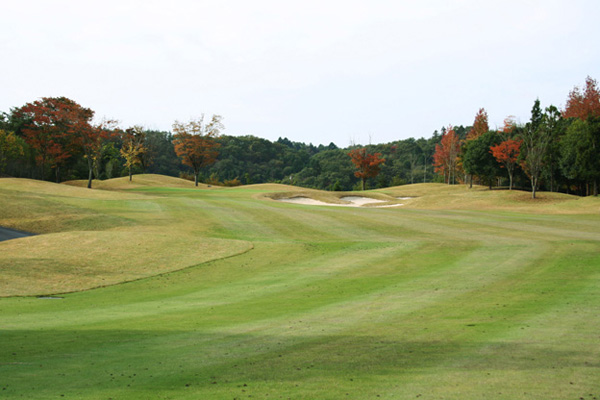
pixel 490 296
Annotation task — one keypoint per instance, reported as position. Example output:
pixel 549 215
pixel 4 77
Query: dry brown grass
pixel 139 181
pixel 75 261
pixel 437 196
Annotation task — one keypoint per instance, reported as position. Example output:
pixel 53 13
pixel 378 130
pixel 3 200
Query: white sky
pixel 313 71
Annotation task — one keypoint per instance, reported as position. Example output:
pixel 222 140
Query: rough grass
pixel 75 261
pixel 490 296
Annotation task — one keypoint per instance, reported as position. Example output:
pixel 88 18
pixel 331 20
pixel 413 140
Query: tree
pixel 10 146
pixel 445 158
pixel 555 126
pixel 93 139
pixel 478 159
pixel 133 140
pixel 583 105
pixel 579 155
pixel 52 127
pixel 368 165
pixel 535 137
pixel 480 125
pixel 195 142
pixel 507 152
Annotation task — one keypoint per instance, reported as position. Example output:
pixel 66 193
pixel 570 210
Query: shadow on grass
pixel 47 363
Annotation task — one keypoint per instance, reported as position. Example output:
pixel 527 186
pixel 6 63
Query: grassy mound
pixel 460 294
pixel 138 181
pixel 75 261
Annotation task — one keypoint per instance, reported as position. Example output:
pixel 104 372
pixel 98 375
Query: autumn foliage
pixel 445 158
pixel 367 165
pixel 583 104
pixel 195 142
pixel 480 125
pixel 54 128
pixel 507 154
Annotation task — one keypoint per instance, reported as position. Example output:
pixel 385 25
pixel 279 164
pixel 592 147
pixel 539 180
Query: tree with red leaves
pixel 480 125
pixel 445 159
pixel 93 138
pixel 583 104
pixel 507 152
pixel 368 165
pixel 52 128
pixel 580 146
pixel 195 142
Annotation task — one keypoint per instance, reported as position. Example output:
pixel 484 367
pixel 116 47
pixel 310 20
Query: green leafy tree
pixel 478 159
pixel 536 138
pixel 11 146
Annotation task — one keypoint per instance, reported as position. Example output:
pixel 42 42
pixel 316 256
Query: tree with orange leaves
pixel 583 104
pixel 445 158
pixel 195 142
pixel 133 146
pixel 480 125
pixel 507 152
pixel 53 128
pixel 368 165
pixel 580 147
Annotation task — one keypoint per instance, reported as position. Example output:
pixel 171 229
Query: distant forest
pixel 557 150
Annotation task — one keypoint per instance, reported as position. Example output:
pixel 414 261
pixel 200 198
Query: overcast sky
pixel 313 71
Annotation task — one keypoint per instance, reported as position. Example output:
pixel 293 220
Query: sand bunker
pixel 353 201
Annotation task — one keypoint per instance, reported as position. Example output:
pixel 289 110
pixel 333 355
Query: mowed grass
pixel 490 296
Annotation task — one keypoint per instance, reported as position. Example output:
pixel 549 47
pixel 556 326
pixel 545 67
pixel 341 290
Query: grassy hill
pixel 458 294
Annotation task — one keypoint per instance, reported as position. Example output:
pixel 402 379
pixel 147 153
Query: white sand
pixel 353 201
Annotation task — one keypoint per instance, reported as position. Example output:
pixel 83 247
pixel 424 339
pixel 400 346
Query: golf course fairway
pixel 156 289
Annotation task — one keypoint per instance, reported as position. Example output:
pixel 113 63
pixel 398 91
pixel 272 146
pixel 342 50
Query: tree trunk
pixel 57 174
pixel 196 178
pixel 533 186
pixel 129 174
pixel 363 183
pixel 595 190
pixel 90 173
pixel 471 181
pixel 510 178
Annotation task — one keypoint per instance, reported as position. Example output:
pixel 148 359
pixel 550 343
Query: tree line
pixel 555 150
pixel 57 139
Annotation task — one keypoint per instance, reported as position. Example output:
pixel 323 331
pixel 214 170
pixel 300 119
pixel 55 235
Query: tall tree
pixel 480 125
pixel 478 159
pixel 195 142
pixel 10 146
pixel 445 158
pixel 507 154
pixel 93 139
pixel 133 145
pixel 367 165
pixel 536 139
pixel 583 104
pixel 51 128
pixel 555 126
